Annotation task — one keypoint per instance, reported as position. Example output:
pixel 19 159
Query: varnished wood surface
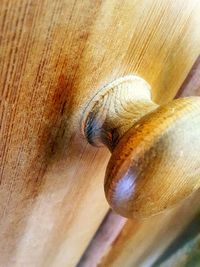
pixel 155 165
pixel 54 56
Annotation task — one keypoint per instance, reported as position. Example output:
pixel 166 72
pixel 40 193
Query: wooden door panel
pixel 54 56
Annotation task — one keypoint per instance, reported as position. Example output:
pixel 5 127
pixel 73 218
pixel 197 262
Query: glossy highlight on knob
pixel 155 161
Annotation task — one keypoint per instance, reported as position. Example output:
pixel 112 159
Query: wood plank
pixel 54 56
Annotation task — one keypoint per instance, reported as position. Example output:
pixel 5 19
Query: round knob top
pixel 155 160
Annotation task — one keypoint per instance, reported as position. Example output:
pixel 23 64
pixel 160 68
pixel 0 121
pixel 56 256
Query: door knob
pixel 155 161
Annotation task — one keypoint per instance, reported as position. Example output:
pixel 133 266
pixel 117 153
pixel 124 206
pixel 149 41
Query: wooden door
pixel 54 57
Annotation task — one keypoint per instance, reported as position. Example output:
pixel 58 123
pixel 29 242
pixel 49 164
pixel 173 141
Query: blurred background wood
pixel 54 56
pixel 183 243
pixel 186 256
pixel 141 242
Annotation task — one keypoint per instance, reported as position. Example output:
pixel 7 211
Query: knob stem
pixel 115 109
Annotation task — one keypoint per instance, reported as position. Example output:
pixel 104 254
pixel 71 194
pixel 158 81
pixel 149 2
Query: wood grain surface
pixel 54 56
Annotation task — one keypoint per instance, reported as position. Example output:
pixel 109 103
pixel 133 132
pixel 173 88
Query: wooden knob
pixel 155 159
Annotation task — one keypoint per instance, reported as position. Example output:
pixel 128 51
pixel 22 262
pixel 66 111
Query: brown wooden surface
pixel 54 55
